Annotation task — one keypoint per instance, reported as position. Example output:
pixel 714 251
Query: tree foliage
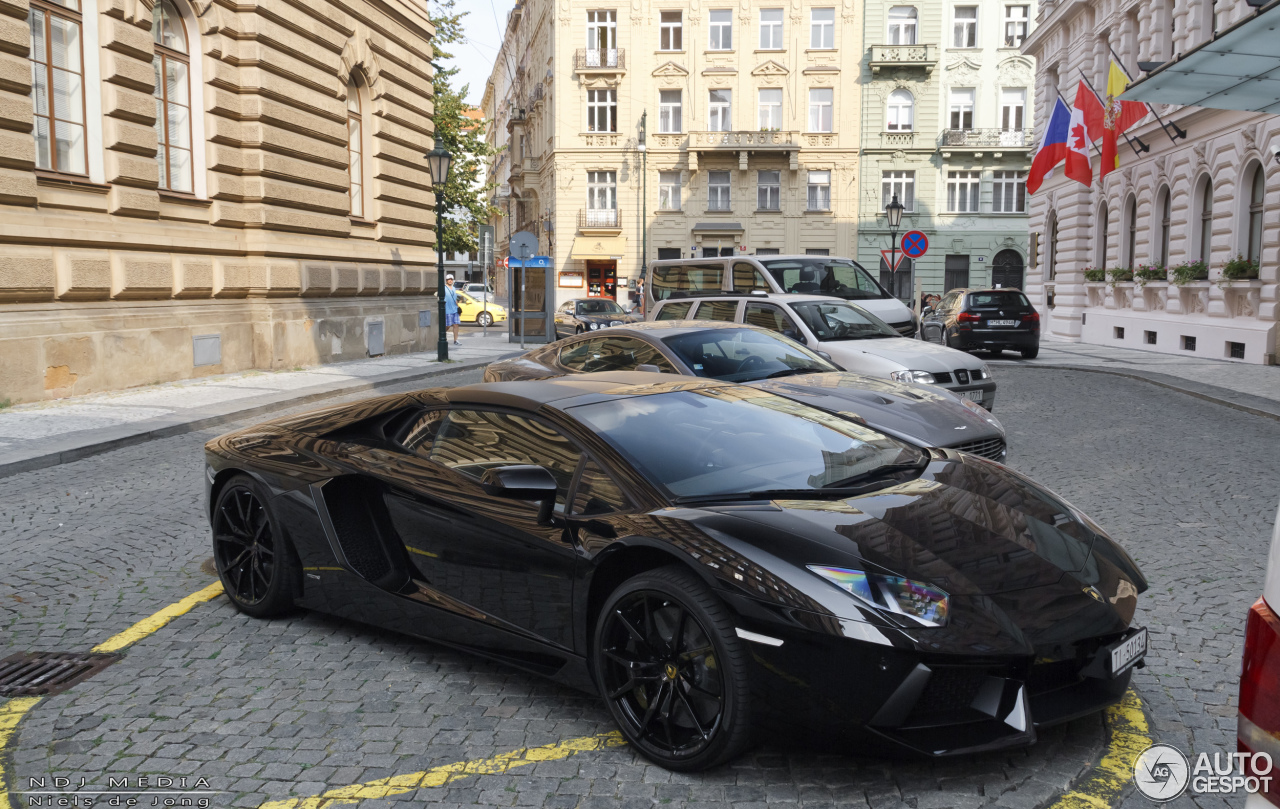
pixel 465 194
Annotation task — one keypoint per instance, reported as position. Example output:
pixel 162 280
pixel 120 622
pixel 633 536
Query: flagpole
pixel 1181 133
pixel 1137 150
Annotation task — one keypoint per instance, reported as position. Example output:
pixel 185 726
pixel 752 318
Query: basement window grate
pixel 32 674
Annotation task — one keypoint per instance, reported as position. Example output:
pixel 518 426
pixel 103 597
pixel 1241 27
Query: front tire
pixel 673 671
pixel 255 563
pixel 484 319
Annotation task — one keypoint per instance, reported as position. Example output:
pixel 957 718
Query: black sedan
pixel 707 557
pixel 589 314
pixel 984 320
pixel 732 352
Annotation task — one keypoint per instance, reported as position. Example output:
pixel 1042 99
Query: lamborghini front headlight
pixel 920 601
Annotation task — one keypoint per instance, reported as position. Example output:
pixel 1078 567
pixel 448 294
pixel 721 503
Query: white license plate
pixel 1128 652
pixel 973 395
pixel 1002 322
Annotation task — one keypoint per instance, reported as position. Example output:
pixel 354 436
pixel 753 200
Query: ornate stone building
pixel 195 187
pixel 946 117
pixel 1209 197
pixel 751 120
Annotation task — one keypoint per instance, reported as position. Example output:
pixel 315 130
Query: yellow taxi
pixel 473 310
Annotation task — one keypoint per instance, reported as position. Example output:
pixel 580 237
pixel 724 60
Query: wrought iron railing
pixel 1009 138
pixel 599 59
pixel 598 218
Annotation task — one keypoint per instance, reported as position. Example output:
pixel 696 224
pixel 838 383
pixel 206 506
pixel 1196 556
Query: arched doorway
pixel 1006 270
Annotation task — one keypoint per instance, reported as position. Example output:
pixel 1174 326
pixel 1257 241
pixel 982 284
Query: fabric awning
pixel 1239 69
pixel 599 248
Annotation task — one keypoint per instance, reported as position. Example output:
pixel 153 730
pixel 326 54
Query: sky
pixel 485 22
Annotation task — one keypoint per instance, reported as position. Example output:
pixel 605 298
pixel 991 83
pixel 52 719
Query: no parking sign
pixel 914 244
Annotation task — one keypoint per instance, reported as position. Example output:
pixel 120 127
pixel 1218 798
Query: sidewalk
pixel 1252 388
pixel 42 434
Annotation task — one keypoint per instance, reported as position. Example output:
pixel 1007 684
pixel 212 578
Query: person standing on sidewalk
pixel 451 314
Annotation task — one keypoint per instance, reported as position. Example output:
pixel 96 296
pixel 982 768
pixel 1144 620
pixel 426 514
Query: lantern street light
pixel 893 211
pixel 438 161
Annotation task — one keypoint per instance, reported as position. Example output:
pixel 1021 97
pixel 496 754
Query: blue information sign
pixel 531 261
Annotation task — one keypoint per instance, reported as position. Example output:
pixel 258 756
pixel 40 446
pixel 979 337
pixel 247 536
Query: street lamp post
pixel 893 212
pixel 644 202
pixel 438 160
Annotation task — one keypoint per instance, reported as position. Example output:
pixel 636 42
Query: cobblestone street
pixel 296 707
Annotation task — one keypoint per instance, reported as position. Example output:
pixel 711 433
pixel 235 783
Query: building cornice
pixel 1056 15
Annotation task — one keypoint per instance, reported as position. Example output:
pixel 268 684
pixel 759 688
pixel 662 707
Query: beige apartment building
pixel 749 115
pixel 190 188
pixel 1142 258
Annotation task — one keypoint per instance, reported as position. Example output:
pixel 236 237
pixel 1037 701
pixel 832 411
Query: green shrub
pixel 1119 274
pixel 1095 274
pixel 1189 271
pixel 1151 272
pixel 1240 268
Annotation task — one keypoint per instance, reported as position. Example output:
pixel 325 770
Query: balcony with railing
pixel 985 139
pixel 599 219
pixel 892 56
pixel 600 60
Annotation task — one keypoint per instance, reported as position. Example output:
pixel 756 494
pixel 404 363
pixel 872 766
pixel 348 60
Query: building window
pixel 964 27
pixel 767 251
pixel 1256 197
pixel 668 253
pixel 770 107
pixel 721 30
pixel 57 86
pixel 819 191
pixel 820 100
pixel 1009 192
pixel 1206 220
pixel 1130 259
pixel 602 199
pixel 1013 104
pixel 962 191
pixel 1016 19
pixel 901 184
pixel 670 118
pixel 1051 250
pixel 768 190
pixel 817 251
pixel 720 116
pixel 822 28
pixel 717 191
pixel 770 29
pixel 962 108
pixel 1104 233
pixel 902 25
pixel 355 148
pixel 955 272
pixel 602 38
pixel 173 97
pixel 602 110
pixel 668 190
pixel 671 31
pixel 1165 224
pixel 899 116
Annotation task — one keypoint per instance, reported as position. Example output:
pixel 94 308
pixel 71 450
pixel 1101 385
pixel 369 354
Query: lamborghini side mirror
pixel 523 482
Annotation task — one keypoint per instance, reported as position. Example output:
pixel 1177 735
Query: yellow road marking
pixel 150 624
pixel 10 714
pixel 439 776
pixel 1129 735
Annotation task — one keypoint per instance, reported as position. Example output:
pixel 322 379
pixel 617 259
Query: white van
pixel 812 275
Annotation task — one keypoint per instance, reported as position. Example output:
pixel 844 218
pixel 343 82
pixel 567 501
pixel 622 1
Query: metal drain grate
pixel 30 674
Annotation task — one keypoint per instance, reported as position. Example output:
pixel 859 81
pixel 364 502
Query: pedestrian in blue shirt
pixel 451 314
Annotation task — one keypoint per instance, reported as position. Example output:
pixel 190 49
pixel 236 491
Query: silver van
pixel 812 275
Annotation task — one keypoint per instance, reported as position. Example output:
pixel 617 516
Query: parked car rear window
pixel 674 311
pixel 724 311
pixel 824 276
pixel 978 299
pixel 687 278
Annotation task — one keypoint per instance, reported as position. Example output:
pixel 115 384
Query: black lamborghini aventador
pixel 710 558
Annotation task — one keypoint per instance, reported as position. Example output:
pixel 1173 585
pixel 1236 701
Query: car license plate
pixel 1002 322
pixel 973 395
pixel 1127 652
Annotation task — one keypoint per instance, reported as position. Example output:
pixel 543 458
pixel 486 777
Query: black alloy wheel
pixel 254 561
pixel 673 671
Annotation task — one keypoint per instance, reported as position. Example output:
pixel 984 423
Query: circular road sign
pixel 914 244
pixel 506 262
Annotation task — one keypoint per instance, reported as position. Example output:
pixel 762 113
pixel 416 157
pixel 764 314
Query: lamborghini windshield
pixel 738 440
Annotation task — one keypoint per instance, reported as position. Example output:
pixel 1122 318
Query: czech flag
pixel 1065 139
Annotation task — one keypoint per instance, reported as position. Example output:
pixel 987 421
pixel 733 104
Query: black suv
pixel 984 320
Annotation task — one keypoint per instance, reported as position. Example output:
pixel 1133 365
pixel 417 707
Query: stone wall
pixel 105 278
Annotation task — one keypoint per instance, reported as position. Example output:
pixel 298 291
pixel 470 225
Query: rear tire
pixel 672 670
pixel 1031 353
pixel 257 566
pixel 484 319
